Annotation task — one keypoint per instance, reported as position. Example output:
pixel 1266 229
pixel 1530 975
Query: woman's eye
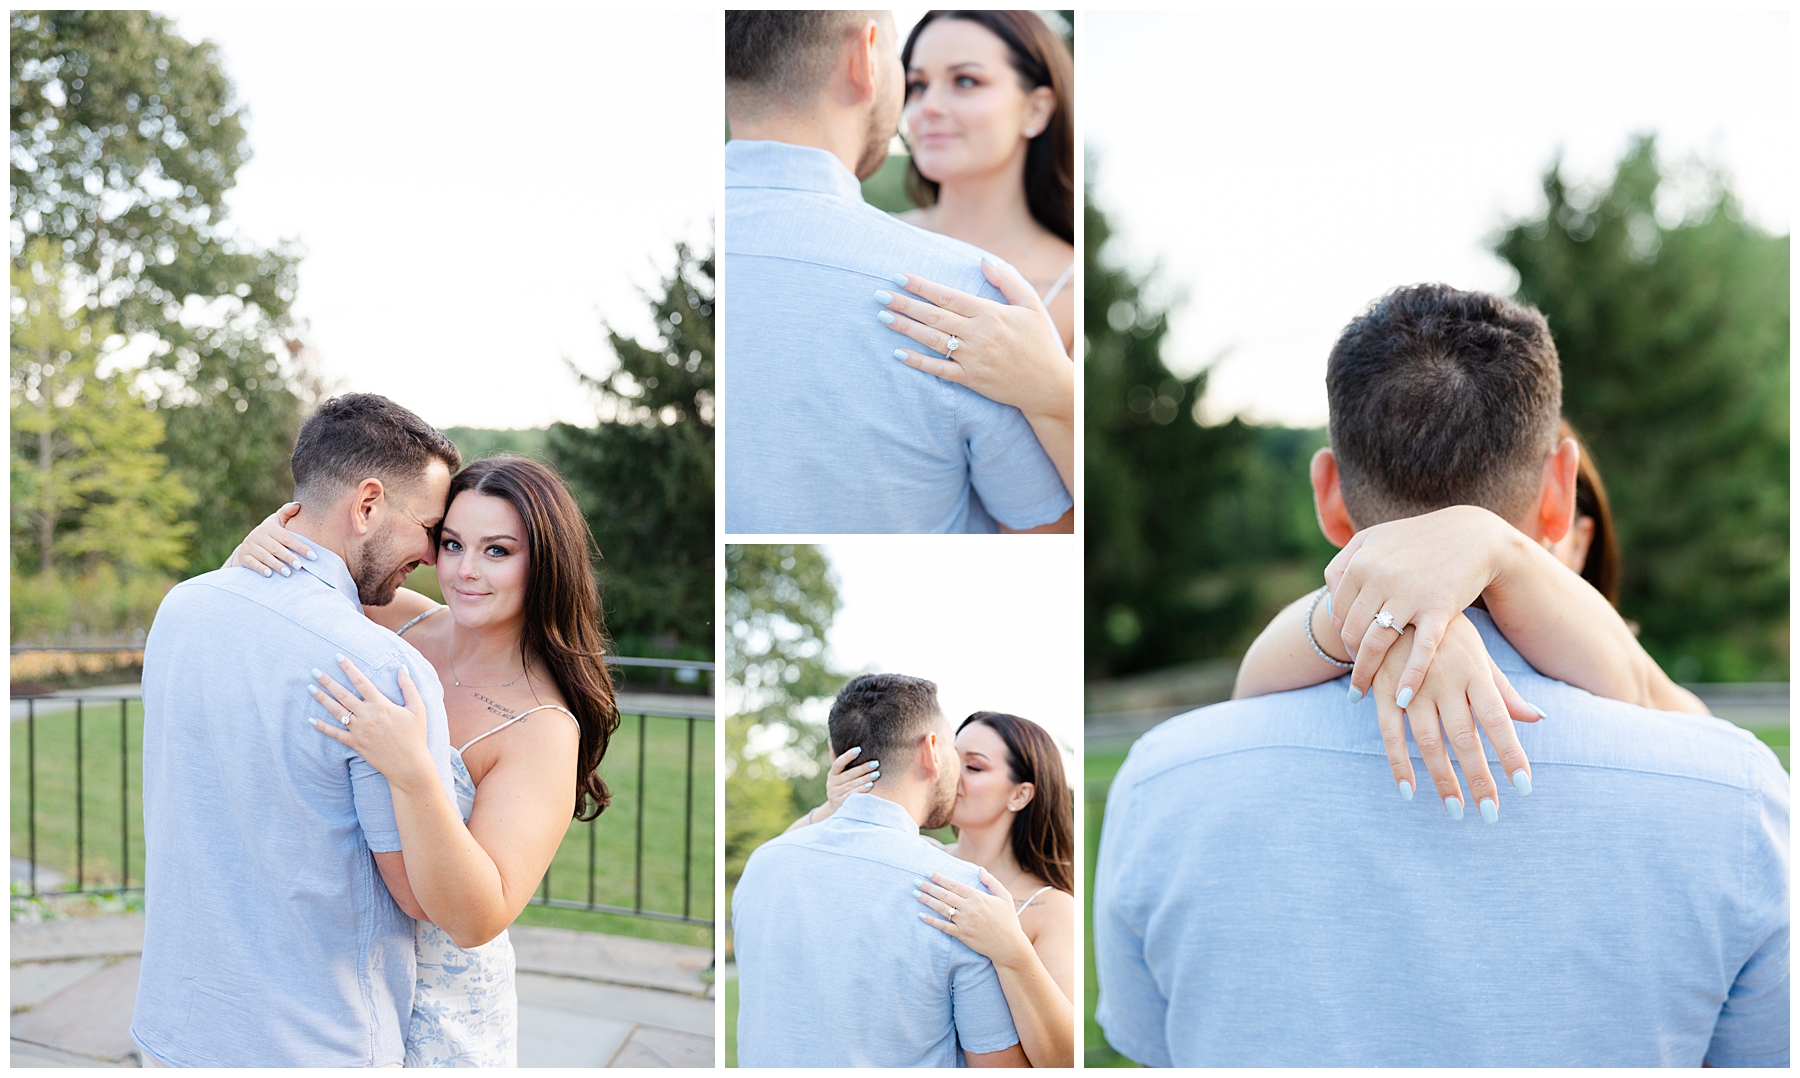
pixel 913 89
pixel 496 552
pixel 452 545
pixel 966 82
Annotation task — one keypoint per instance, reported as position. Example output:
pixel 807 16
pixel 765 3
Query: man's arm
pixel 393 873
pixel 1063 525
pixel 1006 1057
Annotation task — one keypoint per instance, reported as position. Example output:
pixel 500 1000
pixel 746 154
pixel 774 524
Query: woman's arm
pixel 270 548
pixel 471 881
pixel 1040 1001
pixel 840 782
pixel 1007 352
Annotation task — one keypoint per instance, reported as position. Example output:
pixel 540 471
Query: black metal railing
pixel 657 751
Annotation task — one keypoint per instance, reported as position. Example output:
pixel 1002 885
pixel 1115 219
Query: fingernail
pixel 1405 696
pixel 883 297
pixel 1405 790
pixel 404 670
pixel 316 673
pixel 1355 693
pixel 887 317
pixel 1539 710
pixel 265 572
pixel 856 750
pixel 876 764
pixel 1328 610
pixel 868 786
pixel 1522 781
pixel 899 279
pixel 312 722
pixel 312 555
pixel 340 658
pixel 900 354
pixel 1453 805
pixel 873 775
pixel 1489 810
pixel 285 571
pixel 918 893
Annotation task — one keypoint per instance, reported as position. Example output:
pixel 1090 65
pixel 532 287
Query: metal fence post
pixel 638 901
pixel 124 795
pixel 687 831
pixel 80 824
pixel 31 787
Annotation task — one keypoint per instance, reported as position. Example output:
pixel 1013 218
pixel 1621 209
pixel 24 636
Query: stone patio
pixel 585 1000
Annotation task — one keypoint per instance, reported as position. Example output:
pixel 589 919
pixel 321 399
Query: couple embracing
pixel 330 874
pixel 861 942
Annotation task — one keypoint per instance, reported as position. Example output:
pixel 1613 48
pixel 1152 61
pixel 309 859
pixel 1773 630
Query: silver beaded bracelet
pixel 1314 641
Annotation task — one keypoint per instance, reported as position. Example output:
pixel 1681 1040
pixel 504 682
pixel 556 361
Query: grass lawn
pixel 610 841
pixel 731 1006
pixel 1102 763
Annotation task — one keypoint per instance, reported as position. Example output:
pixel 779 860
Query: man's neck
pixel 837 136
pixel 321 531
pixel 912 797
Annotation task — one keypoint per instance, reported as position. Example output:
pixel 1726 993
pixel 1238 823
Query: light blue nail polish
pixel 1489 811
pixel 1539 710
pixel 265 572
pixel 883 297
pixel 312 555
pixel 1328 610
pixel 1355 693
pixel 918 893
pixel 857 751
pixel 876 764
pixel 918 883
pixel 1405 697
pixel 868 786
pixel 404 670
pixel 900 353
pixel 312 722
pixel 1405 790
pixel 316 673
pixel 1522 781
pixel 1453 805
pixel 899 279
pixel 873 775
pixel 340 658
pixel 887 317
pixel 285 571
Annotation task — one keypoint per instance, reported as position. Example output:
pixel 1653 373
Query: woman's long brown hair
pixel 1041 58
pixel 562 606
pixel 1602 567
pixel 1043 833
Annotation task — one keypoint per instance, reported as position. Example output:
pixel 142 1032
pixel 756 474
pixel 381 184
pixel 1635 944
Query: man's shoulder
pixel 855 237
pixel 1318 716
pixel 302 604
pixel 913 853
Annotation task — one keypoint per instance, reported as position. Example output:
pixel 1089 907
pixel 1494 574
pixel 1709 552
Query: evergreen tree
pixel 1674 343
pixel 126 139
pixel 644 474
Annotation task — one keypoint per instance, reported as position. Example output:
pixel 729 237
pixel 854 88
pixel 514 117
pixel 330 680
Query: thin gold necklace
pixel 454 676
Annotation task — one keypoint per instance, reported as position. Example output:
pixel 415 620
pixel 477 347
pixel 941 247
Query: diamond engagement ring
pixel 952 345
pixel 950 912
pixel 1386 621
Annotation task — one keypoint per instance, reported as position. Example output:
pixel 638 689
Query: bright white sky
pixel 996 624
pixel 1285 168
pixel 476 190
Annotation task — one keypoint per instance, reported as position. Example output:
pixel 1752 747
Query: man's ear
pixel 1021 797
pixel 928 755
pixel 1328 499
pixel 860 79
pixel 1555 509
pixel 365 504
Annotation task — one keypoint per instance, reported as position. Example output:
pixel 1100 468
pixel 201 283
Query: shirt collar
pixel 330 569
pixel 761 163
pixel 869 809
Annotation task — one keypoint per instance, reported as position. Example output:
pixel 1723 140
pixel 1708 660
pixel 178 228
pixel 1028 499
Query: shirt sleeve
pixel 369 787
pixel 1018 484
pixel 1131 1009
pixel 1752 1029
pixel 978 1007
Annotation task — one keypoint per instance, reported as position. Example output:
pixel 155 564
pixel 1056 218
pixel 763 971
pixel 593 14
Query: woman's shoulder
pixel 1052 905
pixel 407 607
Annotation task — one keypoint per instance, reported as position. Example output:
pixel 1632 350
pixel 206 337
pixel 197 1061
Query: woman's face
pixel 966 112
pixel 483 565
pixel 986 790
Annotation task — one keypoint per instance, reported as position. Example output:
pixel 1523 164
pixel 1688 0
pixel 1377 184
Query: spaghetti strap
pixel 1058 286
pixel 401 631
pixel 522 714
pixel 1034 894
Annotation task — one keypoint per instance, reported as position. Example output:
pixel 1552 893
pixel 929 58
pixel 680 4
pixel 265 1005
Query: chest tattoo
pixel 495 707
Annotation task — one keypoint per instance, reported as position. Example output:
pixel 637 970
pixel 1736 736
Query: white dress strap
pixel 1034 894
pixel 1058 286
pixel 522 714
pixel 401 631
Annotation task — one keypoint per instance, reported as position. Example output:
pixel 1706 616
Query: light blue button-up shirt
pixel 1265 898
pixel 825 431
pixel 835 968
pixel 270 939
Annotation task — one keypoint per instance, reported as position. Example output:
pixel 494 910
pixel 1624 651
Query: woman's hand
pixel 1462 693
pixel 843 780
pixel 987 922
pixel 270 548
pixel 1423 571
pixel 389 736
pixel 1007 352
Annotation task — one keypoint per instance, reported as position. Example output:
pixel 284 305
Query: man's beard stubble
pixel 875 147
pixel 943 804
pixel 377 577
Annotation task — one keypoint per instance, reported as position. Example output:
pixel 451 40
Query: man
pixel 1263 897
pixel 272 936
pixel 825 431
pixel 835 966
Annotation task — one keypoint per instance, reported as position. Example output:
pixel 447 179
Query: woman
pixel 518 646
pixel 1423 572
pixel 989 118
pixel 1014 819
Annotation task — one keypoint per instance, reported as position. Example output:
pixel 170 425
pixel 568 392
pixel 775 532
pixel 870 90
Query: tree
pixel 1673 334
pixel 126 139
pixel 779 604
pixel 92 499
pixel 644 474
pixel 1196 533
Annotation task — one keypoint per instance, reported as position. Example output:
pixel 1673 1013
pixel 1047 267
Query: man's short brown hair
pixel 782 59
pixel 1441 397
pixel 886 714
pixel 365 435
